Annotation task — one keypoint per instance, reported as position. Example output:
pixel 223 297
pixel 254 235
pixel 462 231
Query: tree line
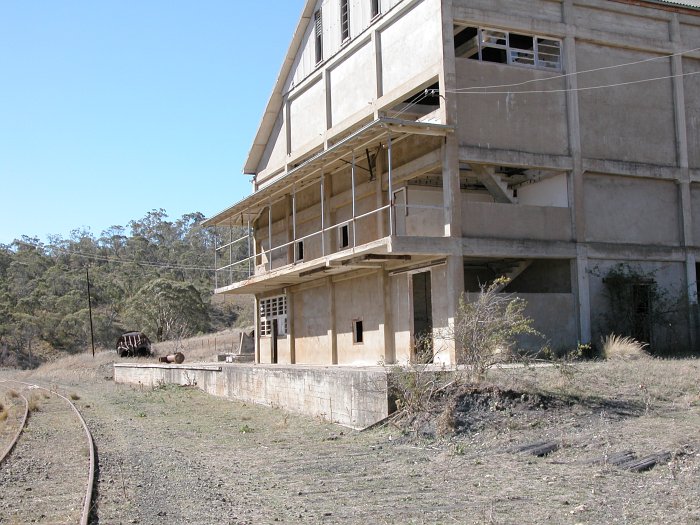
pixel 154 275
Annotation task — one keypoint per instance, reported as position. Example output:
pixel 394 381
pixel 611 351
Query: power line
pixel 104 258
pixel 573 90
pixel 576 73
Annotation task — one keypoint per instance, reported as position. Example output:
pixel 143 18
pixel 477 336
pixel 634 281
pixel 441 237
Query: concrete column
pixel 291 326
pixel 579 282
pixel 685 201
pixel 256 318
pixel 451 191
pixel 289 227
pixel 332 339
pixel 454 271
pixel 388 326
pixel 582 293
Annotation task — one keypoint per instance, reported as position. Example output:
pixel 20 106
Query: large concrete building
pixel 414 149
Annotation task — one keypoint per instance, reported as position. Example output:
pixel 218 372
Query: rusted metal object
pixel 133 344
pixel 177 358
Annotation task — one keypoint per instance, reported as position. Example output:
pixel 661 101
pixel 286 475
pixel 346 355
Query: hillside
pixel 155 275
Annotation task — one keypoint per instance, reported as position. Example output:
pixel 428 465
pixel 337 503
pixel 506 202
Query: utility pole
pixel 92 335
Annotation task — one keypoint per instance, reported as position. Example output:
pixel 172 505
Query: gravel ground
pixel 44 478
pixel 176 455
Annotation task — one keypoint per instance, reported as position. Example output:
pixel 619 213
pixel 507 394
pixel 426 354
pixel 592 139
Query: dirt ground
pixel 176 455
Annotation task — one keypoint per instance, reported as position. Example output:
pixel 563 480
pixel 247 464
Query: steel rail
pixel 87 501
pixel 23 422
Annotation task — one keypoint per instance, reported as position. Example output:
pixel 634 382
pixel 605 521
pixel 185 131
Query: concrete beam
pixel 502 157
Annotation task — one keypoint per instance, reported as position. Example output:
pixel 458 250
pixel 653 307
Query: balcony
pixel 334 212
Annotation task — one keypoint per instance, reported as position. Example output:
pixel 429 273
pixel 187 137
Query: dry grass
pixel 624 348
pixel 203 348
pixel 34 403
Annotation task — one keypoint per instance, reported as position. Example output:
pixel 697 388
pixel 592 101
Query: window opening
pixel 318 35
pixel 299 251
pixel 504 47
pixel 357 331
pixel 344 20
pixel 374 6
pixel 273 309
pixel 343 236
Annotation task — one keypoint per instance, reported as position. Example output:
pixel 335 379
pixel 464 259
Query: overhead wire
pixel 575 73
pixel 576 89
pixel 104 258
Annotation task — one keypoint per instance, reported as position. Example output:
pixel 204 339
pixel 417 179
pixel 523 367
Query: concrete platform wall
pixel 353 397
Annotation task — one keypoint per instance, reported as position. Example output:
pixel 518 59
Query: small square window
pixel 299 251
pixel 357 332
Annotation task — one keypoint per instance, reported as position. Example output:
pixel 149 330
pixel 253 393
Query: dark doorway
pixel 422 317
pixel 273 342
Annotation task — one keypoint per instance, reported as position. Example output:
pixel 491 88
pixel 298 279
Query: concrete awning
pixel 325 161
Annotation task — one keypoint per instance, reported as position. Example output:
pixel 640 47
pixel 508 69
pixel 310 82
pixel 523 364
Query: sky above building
pixel 111 109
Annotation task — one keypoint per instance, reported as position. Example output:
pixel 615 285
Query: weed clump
pixel 34 404
pixel 617 347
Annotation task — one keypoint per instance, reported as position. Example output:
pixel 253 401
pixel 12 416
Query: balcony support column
pixel 269 237
pixel 354 214
pixel 323 215
pixel 250 254
pixel 390 189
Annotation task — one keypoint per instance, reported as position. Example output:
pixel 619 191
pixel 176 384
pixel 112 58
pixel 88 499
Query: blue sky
pixel 111 108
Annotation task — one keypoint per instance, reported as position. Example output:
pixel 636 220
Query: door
pixel 273 342
pixel 422 317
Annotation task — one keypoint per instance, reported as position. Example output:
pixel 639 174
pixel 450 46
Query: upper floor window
pixel 505 47
pixel 374 7
pixel 318 35
pixel 344 20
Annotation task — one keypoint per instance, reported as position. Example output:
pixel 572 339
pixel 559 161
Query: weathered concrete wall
pixel 416 34
pixel 695 207
pixel 355 398
pixel 628 210
pixel 421 221
pixel 534 123
pixel 307 118
pixel 352 92
pixel 312 314
pixel 401 316
pixel 514 221
pixel 360 299
pixel 634 123
pixel 691 85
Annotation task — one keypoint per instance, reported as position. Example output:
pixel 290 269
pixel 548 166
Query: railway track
pixel 47 461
